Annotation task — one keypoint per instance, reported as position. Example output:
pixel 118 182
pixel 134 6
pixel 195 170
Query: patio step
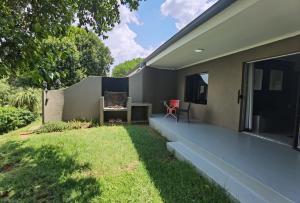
pixel 168 133
pixel 241 186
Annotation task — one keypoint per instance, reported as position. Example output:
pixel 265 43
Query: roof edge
pixel 205 16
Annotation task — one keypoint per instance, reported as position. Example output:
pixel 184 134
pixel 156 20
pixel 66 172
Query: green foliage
pixel 60 126
pixel 123 69
pixel 55 126
pixel 12 118
pixel 25 23
pixel 95 57
pixel 29 99
pixel 6 91
pixel 65 60
pixel 58 60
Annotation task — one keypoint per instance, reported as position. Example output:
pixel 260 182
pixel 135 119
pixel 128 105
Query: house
pixel 245 58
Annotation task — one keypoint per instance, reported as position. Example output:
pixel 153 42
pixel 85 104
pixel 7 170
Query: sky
pixel 142 31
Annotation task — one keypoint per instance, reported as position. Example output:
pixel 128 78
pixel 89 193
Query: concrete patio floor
pixel 251 169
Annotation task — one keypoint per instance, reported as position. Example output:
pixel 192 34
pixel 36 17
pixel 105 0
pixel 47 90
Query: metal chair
pixel 186 110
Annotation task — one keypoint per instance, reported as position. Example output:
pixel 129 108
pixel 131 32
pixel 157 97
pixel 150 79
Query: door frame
pixel 243 96
pixel 297 116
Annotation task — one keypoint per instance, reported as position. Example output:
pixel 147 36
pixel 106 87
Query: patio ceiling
pixel 241 26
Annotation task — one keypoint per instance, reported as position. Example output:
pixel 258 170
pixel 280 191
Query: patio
pixel 251 169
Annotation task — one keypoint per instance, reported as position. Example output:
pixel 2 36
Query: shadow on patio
pixel 177 181
pixel 43 174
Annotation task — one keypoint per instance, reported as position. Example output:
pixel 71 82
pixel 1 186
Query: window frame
pixel 189 95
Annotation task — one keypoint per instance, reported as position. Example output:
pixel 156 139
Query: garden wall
pixel 82 100
pixel 79 101
pixel 53 105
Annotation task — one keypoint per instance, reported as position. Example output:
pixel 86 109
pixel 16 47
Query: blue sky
pixel 153 21
pixel 142 31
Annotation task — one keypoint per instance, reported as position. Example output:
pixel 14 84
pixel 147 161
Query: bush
pixel 60 126
pixel 55 126
pixel 12 118
pixel 28 99
pixel 5 92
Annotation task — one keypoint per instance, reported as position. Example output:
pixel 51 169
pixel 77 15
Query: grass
pixel 104 164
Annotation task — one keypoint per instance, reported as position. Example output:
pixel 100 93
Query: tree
pixel 124 68
pixel 58 61
pixel 67 59
pixel 95 57
pixel 25 23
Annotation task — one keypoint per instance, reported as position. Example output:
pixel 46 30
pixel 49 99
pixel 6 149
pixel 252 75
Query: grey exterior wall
pixel 53 105
pixel 158 85
pixel 80 101
pixel 151 85
pixel 225 79
pixel 136 86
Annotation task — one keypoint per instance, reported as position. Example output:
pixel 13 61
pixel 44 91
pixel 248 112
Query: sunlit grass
pixel 104 164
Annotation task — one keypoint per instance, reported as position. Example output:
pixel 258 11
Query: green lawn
pixel 104 164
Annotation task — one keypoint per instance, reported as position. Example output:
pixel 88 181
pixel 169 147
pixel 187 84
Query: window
pixel 196 87
pixel 276 79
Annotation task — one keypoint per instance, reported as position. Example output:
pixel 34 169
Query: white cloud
pixel 122 40
pixel 184 11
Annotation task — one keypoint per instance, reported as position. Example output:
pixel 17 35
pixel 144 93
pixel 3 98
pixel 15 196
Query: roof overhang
pixel 229 27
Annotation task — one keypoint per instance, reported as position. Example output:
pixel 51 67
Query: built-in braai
pixel 115 103
pixel 116 100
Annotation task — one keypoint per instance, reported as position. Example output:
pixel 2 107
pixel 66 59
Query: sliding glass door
pixel 270 105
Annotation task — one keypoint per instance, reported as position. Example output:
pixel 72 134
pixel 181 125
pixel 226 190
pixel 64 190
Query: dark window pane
pixel 196 87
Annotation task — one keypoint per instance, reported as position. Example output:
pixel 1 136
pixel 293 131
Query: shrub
pixel 11 95
pixel 5 92
pixel 27 99
pixel 55 126
pixel 60 126
pixel 12 118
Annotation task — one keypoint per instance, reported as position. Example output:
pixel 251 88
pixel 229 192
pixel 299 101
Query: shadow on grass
pixel 44 174
pixel 177 181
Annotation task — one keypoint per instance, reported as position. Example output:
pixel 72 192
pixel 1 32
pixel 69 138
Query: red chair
pixel 172 108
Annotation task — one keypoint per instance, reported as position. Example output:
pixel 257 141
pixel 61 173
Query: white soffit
pixel 245 24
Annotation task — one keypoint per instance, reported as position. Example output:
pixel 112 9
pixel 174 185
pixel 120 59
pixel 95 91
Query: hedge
pixel 12 118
